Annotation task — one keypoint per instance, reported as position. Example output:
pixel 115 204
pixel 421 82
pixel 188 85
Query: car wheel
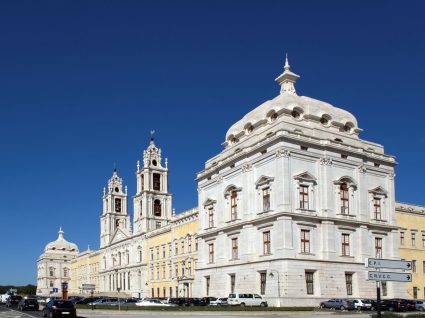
pixel 391 309
pixel 263 305
pixel 342 308
pixel 242 304
pixel 322 306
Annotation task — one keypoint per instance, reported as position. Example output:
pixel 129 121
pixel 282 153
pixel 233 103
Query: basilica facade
pixel 294 204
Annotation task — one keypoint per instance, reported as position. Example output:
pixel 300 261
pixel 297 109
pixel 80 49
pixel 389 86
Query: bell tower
pixel 114 214
pixel 152 202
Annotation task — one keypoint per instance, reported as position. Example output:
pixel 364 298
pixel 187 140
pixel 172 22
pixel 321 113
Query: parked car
pixel 222 301
pixel 394 304
pixel 177 301
pixel 87 300
pixel 104 301
pixel 13 300
pixel 124 302
pixel 28 304
pixel 153 302
pixel 246 300
pixel 337 303
pixel 362 304
pixel 194 302
pixel 208 300
pixel 59 308
pixel 409 304
pixel 420 305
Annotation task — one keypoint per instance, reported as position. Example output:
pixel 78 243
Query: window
pixel 65 272
pixel 234 248
pixel 156 181
pixel 170 269
pixel 176 270
pixel 117 205
pixel 157 272
pixel 305 241
pixel 378 247
pixel 182 247
pixel 157 252
pixel 163 291
pixel 163 251
pixel 377 208
pixel 423 266
pixel 263 280
pixel 304 197
pixel 51 283
pixel 189 268
pixel 141 207
pixel 345 245
pixel 415 292
pixel 309 280
pixel 413 237
pixel 143 182
pixel 266 199
pixel 401 238
pixel 183 267
pixel 232 283
pixel 266 243
pixel 176 248
pixel 384 289
pixel 151 254
pixel 211 252
pixel 207 285
pixel 304 148
pixel 157 207
pixel 349 283
pixel 210 217
pixel 153 292
pixel 423 239
pixel 169 250
pixel 171 292
pixel 140 254
pixel 414 266
pixel 189 245
pixel 233 205
pixel 51 271
pixel 343 192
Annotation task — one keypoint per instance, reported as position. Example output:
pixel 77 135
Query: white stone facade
pixel 294 204
pixel 54 266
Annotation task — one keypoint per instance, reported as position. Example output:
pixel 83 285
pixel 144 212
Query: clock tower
pixel 114 214
pixel 152 202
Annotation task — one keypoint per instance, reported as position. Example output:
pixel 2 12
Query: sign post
pixel 91 288
pixel 378 276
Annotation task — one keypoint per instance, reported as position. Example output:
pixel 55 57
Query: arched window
pixel 157 208
pixel 65 272
pixel 117 223
pixel 51 271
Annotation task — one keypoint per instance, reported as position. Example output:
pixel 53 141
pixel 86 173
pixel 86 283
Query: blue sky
pixel 83 82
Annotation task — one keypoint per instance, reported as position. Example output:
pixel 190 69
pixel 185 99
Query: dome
pixel 61 245
pixel 299 107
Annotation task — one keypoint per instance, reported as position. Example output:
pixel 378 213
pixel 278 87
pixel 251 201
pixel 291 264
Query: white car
pixel 4 297
pixel 246 300
pixel 360 304
pixel 153 302
pixel 222 301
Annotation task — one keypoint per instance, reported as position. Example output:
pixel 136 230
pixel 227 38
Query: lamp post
pixel 278 285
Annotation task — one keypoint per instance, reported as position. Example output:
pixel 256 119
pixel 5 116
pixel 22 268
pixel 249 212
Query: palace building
pixel 294 204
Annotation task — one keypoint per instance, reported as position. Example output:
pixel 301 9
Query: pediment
pixel 263 180
pixel 379 190
pixel 209 201
pixel 119 235
pixel 346 179
pixel 305 176
pixel 230 188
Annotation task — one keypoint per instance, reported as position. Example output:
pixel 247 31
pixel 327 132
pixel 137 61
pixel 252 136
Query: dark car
pixel 394 304
pixel 87 300
pixel 194 302
pixel 59 308
pixel 177 301
pixel 337 303
pixel 13 300
pixel 28 304
pixel 409 304
pixel 207 300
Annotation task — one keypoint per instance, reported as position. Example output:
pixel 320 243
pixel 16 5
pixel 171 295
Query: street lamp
pixel 278 284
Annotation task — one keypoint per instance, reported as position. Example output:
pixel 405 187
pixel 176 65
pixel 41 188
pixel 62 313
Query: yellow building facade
pixel 411 245
pixel 171 254
pixel 84 270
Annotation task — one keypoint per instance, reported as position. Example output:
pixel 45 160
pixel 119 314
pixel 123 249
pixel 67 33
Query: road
pixel 84 313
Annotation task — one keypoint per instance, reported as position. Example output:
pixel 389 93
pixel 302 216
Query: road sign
pixel 389 276
pixel 55 290
pixel 388 263
pixel 88 286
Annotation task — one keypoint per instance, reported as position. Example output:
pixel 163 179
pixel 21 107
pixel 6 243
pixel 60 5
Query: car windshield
pixel 32 301
pixel 63 304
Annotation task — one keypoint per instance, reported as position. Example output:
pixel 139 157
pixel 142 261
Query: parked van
pixel 246 300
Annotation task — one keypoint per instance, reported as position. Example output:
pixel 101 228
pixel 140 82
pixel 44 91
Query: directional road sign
pixel 55 290
pixel 88 286
pixel 388 263
pixel 389 276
